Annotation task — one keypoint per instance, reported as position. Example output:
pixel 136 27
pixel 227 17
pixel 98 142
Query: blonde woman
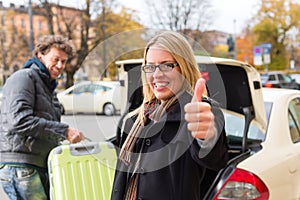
pixel 176 134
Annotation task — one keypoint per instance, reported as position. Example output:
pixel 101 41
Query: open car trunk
pixel 234 84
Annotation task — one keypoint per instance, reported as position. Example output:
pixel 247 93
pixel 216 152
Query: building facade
pixel 16 31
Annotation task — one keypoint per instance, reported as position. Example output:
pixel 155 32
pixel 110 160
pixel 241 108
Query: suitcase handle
pixel 84 148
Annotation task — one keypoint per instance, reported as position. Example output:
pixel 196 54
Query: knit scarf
pixel 128 146
pixel 43 68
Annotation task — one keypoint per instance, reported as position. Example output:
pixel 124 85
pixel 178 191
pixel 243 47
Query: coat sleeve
pixel 19 110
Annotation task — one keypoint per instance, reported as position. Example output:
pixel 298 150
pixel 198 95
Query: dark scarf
pixel 43 68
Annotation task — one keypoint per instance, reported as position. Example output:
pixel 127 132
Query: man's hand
pixel 74 135
pixel 198 114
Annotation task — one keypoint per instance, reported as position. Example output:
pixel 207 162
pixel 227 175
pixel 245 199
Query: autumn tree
pixel 244 46
pixel 76 26
pixel 123 41
pixel 275 20
pixel 96 23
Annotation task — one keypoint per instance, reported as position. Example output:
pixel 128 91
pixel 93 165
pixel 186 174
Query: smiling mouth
pixel 159 85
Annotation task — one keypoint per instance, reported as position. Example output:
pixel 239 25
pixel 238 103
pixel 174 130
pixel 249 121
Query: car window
pixel 264 77
pixel 294 119
pixel 288 79
pixel 296 77
pixel 234 126
pixel 91 88
pixel 80 89
pixel 281 77
pixel 272 77
pixel 268 108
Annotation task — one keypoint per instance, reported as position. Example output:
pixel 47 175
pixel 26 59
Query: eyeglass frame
pixel 170 67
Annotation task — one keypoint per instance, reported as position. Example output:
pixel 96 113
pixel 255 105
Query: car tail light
pixel 243 185
pixel 269 85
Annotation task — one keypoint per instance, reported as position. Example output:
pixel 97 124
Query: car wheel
pixel 109 109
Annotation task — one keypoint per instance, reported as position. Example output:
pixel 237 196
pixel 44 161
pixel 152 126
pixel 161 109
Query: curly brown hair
pixel 46 42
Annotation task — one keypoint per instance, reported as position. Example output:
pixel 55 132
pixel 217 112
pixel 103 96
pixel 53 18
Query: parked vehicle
pixel 262 137
pixel 269 168
pixel 278 80
pixel 101 97
pixel 296 77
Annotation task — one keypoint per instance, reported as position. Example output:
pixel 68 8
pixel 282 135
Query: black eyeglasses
pixel 165 67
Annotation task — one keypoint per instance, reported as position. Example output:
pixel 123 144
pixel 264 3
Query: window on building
pixel 40 25
pixel 2 20
pixel 12 21
pixel 22 23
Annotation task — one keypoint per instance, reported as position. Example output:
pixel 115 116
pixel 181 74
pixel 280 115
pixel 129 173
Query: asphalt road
pixel 95 127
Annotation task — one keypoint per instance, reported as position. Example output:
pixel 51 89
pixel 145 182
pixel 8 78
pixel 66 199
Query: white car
pixel 101 97
pixel 270 168
pixel 262 127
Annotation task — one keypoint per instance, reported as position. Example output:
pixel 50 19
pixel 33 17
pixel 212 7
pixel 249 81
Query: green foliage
pixel 274 21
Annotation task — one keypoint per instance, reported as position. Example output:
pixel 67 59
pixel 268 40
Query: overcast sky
pixel 229 15
pixel 232 15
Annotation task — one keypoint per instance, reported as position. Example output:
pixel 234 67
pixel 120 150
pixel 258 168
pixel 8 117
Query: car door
pixel 294 155
pixel 82 98
pixel 100 95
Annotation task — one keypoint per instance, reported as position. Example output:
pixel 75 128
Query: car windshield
pixel 234 125
pixel 264 77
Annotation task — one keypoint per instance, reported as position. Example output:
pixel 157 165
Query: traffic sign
pixel 257 55
pixel 267 49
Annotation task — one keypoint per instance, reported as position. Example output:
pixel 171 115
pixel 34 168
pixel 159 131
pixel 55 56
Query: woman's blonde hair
pixel 178 46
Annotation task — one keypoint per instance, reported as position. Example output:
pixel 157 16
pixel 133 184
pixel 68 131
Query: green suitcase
pixel 83 171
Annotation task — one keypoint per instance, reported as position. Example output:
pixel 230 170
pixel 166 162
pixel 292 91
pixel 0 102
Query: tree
pixel 74 24
pixel 95 25
pixel 275 20
pixel 49 14
pixel 122 41
pixel 179 14
pixel 244 46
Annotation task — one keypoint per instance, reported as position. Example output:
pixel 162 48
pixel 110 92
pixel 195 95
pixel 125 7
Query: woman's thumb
pixel 199 89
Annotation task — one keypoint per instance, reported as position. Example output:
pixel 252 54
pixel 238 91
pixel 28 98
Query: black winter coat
pixel 171 166
pixel 30 118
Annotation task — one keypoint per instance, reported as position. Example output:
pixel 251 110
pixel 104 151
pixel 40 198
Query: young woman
pixel 176 134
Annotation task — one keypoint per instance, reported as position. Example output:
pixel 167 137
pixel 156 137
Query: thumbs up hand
pixel 198 114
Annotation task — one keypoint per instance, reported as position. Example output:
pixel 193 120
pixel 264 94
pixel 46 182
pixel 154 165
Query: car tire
pixel 109 109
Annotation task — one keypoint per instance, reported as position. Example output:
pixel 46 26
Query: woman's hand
pixel 198 114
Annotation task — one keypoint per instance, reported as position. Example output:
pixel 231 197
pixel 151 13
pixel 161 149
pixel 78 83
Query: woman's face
pixel 163 84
